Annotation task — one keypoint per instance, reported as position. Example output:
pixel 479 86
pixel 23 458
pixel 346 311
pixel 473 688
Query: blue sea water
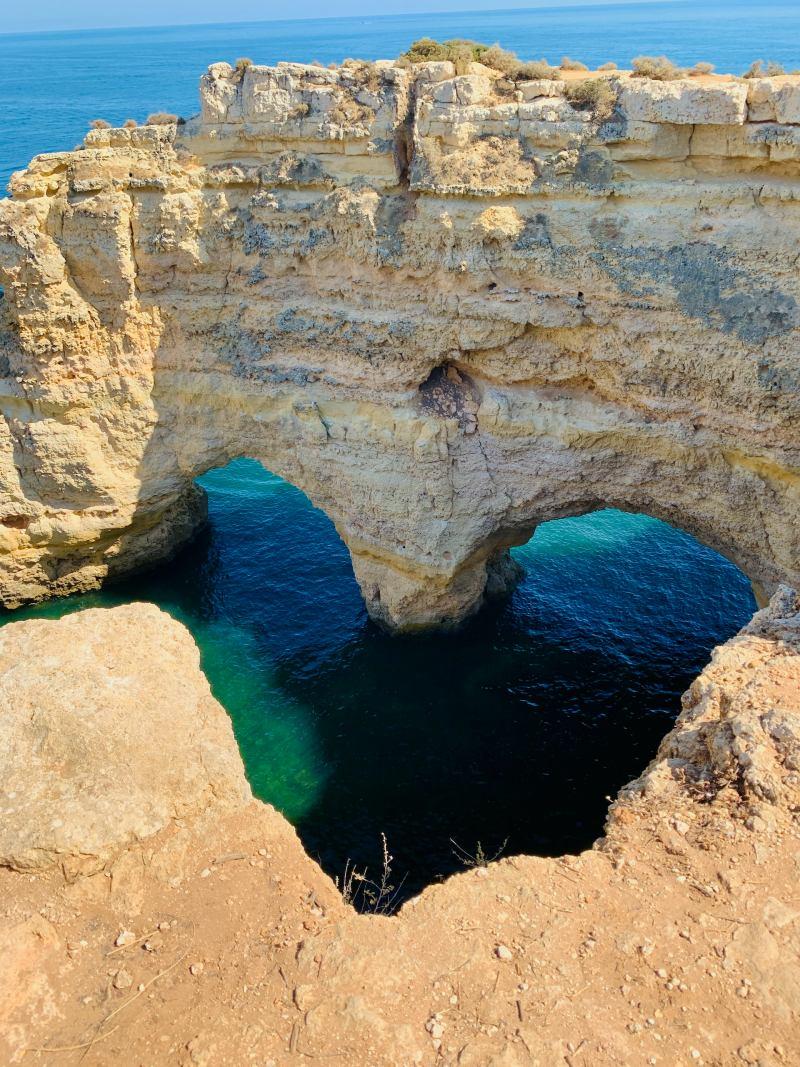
pixel 512 731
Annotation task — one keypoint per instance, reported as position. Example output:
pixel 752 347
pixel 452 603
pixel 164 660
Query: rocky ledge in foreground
pixel 195 930
pixel 446 307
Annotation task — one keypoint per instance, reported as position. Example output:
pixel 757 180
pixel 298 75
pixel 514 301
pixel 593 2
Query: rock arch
pixel 613 308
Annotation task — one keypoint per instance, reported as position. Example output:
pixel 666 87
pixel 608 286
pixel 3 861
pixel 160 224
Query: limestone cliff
pixel 447 308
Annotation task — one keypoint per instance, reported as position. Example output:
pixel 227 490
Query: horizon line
pixel 549 5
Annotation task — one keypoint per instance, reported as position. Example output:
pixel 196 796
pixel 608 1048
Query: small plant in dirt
pixel 164 118
pixel 658 68
pixel 701 69
pixel 572 64
pixel 594 94
pixel 378 897
pixel 99 124
pixel 478 858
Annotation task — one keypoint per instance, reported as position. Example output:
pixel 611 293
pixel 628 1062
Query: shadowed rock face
pixel 446 308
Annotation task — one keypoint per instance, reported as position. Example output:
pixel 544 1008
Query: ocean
pixel 508 735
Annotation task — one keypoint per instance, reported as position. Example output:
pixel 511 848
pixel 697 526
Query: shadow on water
pixel 515 729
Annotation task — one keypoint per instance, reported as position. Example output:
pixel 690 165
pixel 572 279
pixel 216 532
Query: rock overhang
pixel 278 276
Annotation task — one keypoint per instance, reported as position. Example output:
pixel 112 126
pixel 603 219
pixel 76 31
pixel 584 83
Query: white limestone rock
pixel 683 102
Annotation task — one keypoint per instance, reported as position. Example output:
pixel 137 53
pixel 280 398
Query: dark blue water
pixel 514 729
pixel 52 85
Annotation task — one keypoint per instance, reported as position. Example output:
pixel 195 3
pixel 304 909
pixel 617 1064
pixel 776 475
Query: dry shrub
pixel 366 72
pixel 595 94
pixel 608 66
pixel 659 68
pixel 130 124
pixel 760 69
pixel 501 59
pixel 700 69
pixel 462 53
pixel 572 64
pixel 99 124
pixel 348 112
pixel 538 70
pixel 164 118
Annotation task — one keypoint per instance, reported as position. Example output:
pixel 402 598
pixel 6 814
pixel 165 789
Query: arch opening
pixel 507 735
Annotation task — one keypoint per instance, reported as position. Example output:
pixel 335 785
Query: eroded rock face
pixel 108 732
pixel 281 276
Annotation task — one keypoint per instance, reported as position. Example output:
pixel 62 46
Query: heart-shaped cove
pixel 505 737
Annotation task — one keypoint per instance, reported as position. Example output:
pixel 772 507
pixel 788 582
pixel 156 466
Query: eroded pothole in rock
pixel 507 735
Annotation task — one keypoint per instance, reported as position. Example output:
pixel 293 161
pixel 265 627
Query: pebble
pixel 196 968
pixel 503 952
pixel 125 937
pixel 122 980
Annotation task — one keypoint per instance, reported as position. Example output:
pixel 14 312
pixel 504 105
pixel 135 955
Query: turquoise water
pixel 514 729
pixel 53 84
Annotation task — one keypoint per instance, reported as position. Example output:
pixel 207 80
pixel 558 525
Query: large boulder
pixel 108 730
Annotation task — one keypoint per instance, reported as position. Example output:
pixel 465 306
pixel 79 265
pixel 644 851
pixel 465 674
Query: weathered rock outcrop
pixel 447 308
pixel 108 732
pixel 676 939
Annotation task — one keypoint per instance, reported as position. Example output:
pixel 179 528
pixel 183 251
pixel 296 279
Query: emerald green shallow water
pixel 515 728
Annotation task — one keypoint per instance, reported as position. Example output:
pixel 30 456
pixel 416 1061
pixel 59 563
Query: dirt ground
pixel 675 941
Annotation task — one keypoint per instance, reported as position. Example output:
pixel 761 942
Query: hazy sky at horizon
pixel 91 14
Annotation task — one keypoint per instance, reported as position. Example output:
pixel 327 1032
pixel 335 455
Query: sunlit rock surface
pixel 108 732
pixel 447 308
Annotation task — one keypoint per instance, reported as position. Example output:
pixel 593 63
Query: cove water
pixel 512 732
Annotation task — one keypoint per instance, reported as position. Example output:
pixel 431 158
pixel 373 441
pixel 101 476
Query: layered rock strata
pixel 447 308
pixel 197 931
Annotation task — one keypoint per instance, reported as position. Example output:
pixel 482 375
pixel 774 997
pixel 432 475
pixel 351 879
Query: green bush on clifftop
pixel 463 52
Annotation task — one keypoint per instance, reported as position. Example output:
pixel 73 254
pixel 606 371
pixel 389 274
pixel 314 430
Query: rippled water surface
pixel 512 730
